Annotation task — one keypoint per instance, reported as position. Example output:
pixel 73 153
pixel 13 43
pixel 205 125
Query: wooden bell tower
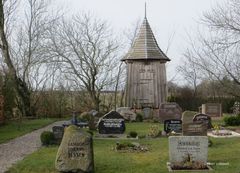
pixel 146 84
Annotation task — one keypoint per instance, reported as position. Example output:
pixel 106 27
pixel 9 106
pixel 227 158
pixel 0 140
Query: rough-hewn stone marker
pixel 75 154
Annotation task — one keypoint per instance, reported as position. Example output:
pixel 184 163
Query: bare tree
pixel 19 85
pixel 190 72
pixel 216 53
pixel 29 49
pixel 87 53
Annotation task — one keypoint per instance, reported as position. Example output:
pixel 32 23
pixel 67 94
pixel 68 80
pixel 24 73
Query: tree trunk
pixel 20 87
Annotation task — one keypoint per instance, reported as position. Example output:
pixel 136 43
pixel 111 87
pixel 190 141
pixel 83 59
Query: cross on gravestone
pixel 173 125
pixel 111 123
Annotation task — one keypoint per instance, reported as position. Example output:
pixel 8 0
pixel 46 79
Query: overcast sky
pixel 166 17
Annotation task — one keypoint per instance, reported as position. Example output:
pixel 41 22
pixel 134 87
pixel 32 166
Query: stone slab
pixel 181 147
pixel 194 129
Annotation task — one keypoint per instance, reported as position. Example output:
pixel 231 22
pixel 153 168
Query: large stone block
pixel 188 150
pixel 75 154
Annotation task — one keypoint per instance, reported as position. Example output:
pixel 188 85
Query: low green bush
pixel 133 134
pixel 124 145
pixel 47 138
pixel 139 117
pixel 232 120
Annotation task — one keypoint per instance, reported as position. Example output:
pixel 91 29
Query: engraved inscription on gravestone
pixel 111 123
pixel 204 119
pixel 194 129
pixel 173 125
pixel 75 150
pixel 75 154
pixel 193 148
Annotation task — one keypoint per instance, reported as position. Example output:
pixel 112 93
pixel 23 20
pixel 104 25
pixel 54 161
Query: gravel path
pixel 16 149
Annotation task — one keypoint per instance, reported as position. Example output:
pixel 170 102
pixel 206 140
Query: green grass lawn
pixel 225 154
pixel 14 129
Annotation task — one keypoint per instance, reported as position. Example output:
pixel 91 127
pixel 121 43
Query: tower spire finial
pixel 145 10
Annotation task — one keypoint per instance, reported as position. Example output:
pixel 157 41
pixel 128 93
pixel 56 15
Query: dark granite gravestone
pixel 169 111
pixel 194 129
pixel 204 119
pixel 173 125
pixel 111 123
pixel 58 132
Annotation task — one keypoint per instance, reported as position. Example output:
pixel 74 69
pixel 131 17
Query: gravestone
pixel 170 111
pixel 173 125
pixel 236 108
pixel 194 129
pixel 187 116
pixel 127 113
pixel 188 150
pixel 204 119
pixel 75 154
pixel 58 132
pixel 1 110
pixel 147 113
pixel 111 123
pixel 93 112
pixel 212 109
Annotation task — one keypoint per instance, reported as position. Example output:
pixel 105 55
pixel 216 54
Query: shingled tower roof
pixel 145 46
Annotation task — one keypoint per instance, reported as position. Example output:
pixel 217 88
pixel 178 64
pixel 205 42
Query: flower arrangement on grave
pixel 154 131
pixel 188 164
pixel 130 147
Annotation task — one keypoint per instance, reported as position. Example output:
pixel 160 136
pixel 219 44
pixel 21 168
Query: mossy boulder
pixel 75 154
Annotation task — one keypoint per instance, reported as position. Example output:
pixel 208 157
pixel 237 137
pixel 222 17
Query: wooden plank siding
pixel 146 84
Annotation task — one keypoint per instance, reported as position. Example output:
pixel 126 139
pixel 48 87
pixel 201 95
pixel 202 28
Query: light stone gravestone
pixel 127 113
pixel 147 113
pixel 187 116
pixel 75 154
pixel 188 150
pixel 212 109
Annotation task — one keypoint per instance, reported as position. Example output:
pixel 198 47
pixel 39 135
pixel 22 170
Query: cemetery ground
pixel 224 155
pixel 13 129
